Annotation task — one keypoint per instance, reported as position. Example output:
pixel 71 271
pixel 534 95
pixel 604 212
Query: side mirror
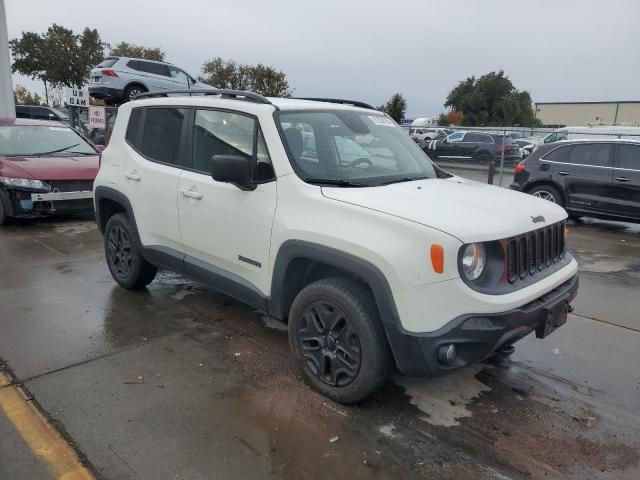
pixel 51 116
pixel 233 169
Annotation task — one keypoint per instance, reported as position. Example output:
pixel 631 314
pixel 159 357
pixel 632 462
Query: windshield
pixel 350 147
pixel 34 140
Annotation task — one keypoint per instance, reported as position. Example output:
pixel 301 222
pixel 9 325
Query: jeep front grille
pixel 535 251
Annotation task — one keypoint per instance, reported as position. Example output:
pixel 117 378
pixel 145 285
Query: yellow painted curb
pixel 43 439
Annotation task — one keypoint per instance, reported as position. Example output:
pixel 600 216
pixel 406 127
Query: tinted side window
pixel 557 154
pixel 133 128
pixel 221 133
pixel 155 68
pixel 134 64
pixel 161 134
pixel 22 112
pixel 629 156
pixel 473 138
pixel 456 137
pixel 594 154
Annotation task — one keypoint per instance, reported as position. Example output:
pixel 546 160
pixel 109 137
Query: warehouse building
pixel 561 114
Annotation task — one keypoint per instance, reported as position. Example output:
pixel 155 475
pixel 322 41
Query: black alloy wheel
pixel 330 344
pixel 119 251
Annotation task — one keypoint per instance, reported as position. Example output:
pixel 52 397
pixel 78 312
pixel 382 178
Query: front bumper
pixel 476 336
pixel 26 204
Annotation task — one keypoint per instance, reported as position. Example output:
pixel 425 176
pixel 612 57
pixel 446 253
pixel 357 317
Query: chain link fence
pixel 490 154
pixel 79 119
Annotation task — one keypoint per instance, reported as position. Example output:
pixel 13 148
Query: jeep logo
pixel 537 219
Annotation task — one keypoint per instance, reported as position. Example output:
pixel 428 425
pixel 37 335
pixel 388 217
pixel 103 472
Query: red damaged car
pixel 46 168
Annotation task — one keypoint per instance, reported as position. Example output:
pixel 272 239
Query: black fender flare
pixel 368 273
pixel 107 193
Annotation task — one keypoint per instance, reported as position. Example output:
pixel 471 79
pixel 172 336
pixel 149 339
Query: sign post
pixel 7 103
pixel 97 118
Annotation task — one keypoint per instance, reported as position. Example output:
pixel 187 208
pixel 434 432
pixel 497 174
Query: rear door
pixel 626 181
pixel 157 75
pixel 151 172
pixel 585 171
pixel 179 79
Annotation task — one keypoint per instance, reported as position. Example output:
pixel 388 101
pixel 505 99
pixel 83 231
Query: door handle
pixel 191 194
pixel 623 179
pixel 132 175
pixel 563 173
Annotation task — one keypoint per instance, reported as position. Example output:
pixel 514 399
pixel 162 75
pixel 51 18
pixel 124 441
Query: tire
pixel 4 218
pixel 131 91
pixel 330 311
pixel 122 252
pixel 547 192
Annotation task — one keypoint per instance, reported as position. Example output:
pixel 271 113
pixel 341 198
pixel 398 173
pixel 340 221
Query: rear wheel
pixel 132 91
pixel 123 254
pixel 547 192
pixel 338 341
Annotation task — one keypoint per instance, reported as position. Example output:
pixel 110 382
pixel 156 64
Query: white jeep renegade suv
pixel 325 214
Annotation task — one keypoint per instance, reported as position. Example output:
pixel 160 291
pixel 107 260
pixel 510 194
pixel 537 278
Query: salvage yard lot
pixel 179 381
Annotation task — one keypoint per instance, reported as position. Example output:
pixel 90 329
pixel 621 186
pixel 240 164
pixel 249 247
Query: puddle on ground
pixel 445 399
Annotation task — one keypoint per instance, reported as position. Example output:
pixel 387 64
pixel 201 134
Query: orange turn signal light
pixel 437 258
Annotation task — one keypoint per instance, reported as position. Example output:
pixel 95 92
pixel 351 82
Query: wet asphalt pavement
pixel 181 382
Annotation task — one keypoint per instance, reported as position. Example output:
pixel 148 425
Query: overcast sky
pixel 559 50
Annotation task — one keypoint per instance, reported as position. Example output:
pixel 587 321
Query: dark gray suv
pixel 597 178
pixel 119 79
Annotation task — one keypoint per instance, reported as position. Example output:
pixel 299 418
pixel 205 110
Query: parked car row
pixel 470 146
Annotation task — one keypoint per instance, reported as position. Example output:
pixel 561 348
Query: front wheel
pixel 124 258
pixel 338 341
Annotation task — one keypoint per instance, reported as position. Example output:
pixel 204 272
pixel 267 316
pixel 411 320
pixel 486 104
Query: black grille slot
pixel 535 251
pixel 70 185
pixel 512 260
pixel 523 257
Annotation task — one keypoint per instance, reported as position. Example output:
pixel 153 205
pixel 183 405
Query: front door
pixel 626 181
pixel 226 231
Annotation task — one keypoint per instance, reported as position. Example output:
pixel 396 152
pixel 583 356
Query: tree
pixel 491 100
pixel 23 96
pixel 395 107
pixel 58 56
pixel 125 49
pixel 260 78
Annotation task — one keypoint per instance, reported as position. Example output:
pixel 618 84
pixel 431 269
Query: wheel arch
pixel 135 83
pixel 550 183
pixel 108 202
pixel 298 263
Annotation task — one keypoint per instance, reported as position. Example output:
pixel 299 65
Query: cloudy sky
pixel 559 50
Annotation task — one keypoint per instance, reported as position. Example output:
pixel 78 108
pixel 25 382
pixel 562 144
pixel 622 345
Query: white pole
pixel 7 104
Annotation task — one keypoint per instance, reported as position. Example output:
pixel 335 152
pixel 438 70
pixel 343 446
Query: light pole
pixel 7 103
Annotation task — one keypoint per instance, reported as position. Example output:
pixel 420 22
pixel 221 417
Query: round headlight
pixel 474 259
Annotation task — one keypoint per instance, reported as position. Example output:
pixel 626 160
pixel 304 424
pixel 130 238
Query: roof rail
pixel 355 103
pixel 232 94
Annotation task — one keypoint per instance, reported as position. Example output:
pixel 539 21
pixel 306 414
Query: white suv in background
pixel 375 261
pixel 120 79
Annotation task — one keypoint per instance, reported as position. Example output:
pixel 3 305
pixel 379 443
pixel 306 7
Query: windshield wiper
pixel 404 179
pixel 40 154
pixel 335 182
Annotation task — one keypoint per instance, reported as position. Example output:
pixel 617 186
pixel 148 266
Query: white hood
pixel 470 211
